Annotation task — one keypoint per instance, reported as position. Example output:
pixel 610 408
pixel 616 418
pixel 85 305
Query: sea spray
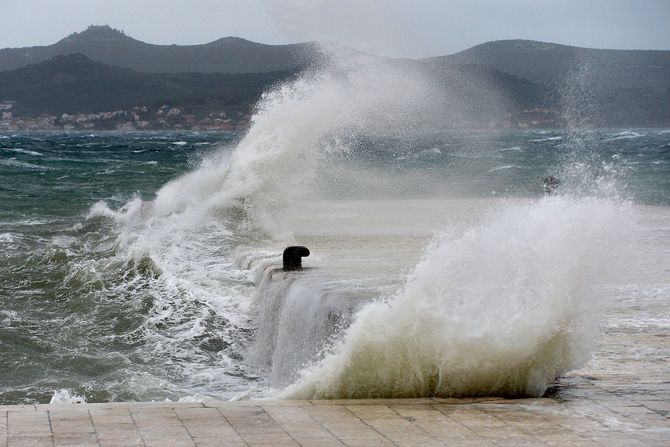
pixel 298 314
pixel 66 397
pixel 193 232
pixel 499 309
pixel 195 229
pixel 294 126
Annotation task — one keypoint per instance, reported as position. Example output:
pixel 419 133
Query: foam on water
pixel 7 238
pixel 27 152
pixel 542 140
pixel 66 397
pixel 625 135
pixel 501 168
pixel 502 308
pixel 21 164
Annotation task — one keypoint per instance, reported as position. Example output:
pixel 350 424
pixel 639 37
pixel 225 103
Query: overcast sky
pixel 409 28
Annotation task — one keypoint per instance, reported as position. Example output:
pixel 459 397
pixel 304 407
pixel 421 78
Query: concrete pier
pixel 606 421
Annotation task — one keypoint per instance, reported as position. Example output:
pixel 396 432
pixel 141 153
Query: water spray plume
pixel 500 309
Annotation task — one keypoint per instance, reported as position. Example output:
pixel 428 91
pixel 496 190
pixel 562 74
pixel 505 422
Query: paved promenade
pixel 611 422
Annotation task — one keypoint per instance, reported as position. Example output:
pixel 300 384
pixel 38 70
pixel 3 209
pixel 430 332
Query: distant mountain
pixel 579 86
pixel 113 47
pixel 75 84
pixel 512 83
pixel 549 63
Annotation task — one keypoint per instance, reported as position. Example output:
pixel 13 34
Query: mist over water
pixel 438 267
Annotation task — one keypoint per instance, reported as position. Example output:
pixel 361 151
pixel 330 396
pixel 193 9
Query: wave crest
pixel 501 309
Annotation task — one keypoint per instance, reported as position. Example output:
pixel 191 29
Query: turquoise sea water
pixel 78 312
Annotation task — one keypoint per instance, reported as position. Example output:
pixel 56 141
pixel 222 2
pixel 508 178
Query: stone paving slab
pixel 617 421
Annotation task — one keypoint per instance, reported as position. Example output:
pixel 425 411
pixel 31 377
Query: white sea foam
pixel 542 140
pixel 7 238
pixel 502 308
pixel 502 168
pixel 66 397
pixel 22 164
pixel 27 152
pixel 100 209
pixel 625 135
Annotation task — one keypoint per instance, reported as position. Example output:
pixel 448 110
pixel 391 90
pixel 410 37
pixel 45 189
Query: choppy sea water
pixel 139 266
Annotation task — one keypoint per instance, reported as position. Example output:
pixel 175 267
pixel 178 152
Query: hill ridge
pixel 105 44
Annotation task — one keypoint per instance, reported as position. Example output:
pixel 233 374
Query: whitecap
pixel 100 209
pixel 7 238
pixel 21 164
pixel 541 140
pixel 31 222
pixel 26 151
pixel 625 135
pixel 65 397
pixel 502 168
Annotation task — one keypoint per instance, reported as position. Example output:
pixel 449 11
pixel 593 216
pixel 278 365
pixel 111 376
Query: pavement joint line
pixel 430 435
pixel 95 430
pixel 53 441
pixel 190 435
pixel 137 429
pixel 321 425
pixel 371 427
pixel 523 429
pixel 477 435
pixel 282 427
pixel 218 409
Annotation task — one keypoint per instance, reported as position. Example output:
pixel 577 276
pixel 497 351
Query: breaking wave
pixel 500 309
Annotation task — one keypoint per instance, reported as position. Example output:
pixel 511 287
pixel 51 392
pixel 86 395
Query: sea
pixel 147 266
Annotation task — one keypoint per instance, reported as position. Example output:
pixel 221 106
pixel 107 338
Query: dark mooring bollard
pixel 293 257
